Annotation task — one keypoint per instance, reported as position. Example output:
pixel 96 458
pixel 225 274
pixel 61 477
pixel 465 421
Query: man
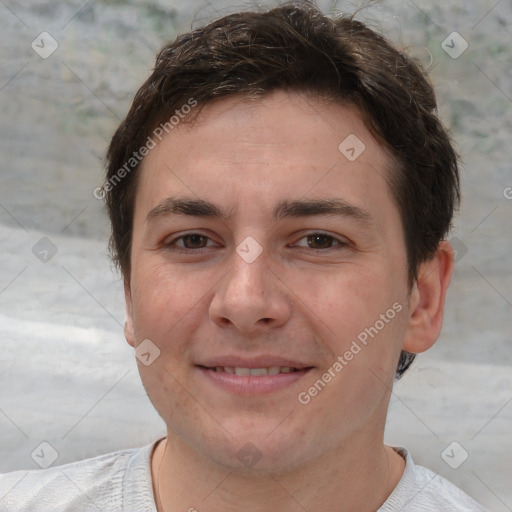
pixel 279 196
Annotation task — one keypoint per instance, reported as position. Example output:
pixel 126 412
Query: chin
pixel 258 448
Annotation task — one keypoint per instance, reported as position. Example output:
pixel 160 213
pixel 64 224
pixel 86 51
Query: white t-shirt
pixel 121 481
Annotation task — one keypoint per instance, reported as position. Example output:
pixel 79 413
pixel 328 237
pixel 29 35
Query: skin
pixel 302 298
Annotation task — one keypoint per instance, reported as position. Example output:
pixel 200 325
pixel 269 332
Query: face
pixel 269 269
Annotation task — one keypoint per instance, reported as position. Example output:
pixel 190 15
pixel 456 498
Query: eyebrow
pixel 310 207
pixel 284 209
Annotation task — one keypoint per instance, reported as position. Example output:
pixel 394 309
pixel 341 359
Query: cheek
pixel 346 300
pixel 359 315
pixel 166 309
pixel 163 296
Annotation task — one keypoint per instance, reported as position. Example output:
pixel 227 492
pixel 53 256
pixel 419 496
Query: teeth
pixel 259 371
pixel 273 370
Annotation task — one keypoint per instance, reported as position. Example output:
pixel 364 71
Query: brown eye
pixel 320 241
pixel 190 243
pixel 194 241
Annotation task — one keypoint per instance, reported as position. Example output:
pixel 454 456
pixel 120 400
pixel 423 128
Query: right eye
pixel 189 242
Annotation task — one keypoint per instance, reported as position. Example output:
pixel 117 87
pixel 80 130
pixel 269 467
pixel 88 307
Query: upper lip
pixel 252 362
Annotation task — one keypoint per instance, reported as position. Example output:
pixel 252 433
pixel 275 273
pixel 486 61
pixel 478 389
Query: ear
pixel 129 333
pixel 426 304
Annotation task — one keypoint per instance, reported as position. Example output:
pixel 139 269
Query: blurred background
pixel 68 73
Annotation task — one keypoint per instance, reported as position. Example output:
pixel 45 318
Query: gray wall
pixel 67 376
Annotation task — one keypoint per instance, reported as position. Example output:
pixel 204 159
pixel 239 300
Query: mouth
pixel 253 372
pixel 244 380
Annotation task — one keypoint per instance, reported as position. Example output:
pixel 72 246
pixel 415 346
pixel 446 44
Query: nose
pixel 250 298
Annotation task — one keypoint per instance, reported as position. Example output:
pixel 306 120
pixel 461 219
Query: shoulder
pixel 422 490
pixel 442 493
pixel 98 483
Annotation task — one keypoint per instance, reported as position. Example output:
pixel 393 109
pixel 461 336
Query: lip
pixel 252 362
pixel 252 384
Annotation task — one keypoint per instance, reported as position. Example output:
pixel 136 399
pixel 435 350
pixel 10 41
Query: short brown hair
pixel 295 47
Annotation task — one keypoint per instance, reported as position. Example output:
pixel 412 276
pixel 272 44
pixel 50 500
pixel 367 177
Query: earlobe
pixel 128 325
pixel 427 299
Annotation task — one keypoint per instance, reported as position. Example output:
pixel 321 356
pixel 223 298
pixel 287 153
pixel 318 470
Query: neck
pixel 355 477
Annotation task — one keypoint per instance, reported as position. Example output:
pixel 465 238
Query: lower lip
pixel 253 384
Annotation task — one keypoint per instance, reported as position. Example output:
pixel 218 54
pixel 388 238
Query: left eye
pixel 320 241
pixel 192 241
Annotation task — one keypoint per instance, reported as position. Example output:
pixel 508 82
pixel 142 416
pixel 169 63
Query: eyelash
pixel 339 244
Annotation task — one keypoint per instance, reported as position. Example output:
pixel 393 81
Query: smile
pixel 249 381
pixel 273 370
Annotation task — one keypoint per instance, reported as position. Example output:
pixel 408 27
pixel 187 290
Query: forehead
pixel 259 152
